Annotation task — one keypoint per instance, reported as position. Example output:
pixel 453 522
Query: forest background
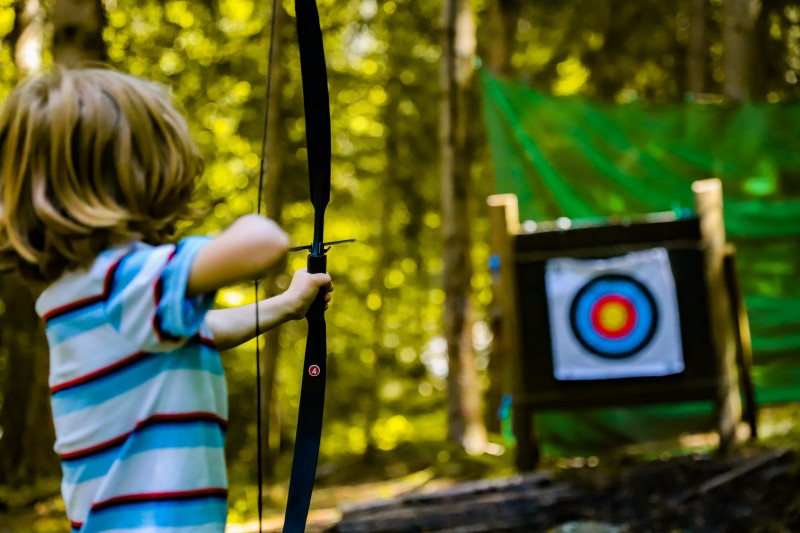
pixel 411 327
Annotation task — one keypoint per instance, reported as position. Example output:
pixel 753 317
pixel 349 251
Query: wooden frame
pixel 714 329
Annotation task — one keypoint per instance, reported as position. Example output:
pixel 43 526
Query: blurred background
pixel 415 380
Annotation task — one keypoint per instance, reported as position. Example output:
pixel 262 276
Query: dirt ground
pixel 756 490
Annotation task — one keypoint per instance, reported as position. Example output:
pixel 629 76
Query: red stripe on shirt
pixel 130 359
pixel 155 496
pixel 99 372
pixel 205 341
pixel 158 291
pixel 177 417
pixel 108 283
pixel 154 419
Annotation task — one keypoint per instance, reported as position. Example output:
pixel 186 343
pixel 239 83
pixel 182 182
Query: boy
pixel 96 167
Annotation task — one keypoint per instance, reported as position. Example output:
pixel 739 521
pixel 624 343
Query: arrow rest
pixel 327 245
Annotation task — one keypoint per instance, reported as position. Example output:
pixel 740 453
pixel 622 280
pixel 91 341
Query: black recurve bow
pixel 318 138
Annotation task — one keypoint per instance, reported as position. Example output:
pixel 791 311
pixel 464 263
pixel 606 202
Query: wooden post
pixel 744 347
pixel 708 204
pixel 504 216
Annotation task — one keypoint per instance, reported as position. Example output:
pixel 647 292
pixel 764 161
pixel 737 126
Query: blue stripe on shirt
pixel 159 513
pixel 158 435
pixel 128 270
pixel 178 315
pixel 64 327
pixel 123 379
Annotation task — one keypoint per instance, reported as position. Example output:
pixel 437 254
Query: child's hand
pixel 304 289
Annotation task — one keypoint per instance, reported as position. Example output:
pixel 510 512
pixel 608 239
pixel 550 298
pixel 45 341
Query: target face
pixel 614 316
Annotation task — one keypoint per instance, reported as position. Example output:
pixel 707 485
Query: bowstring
pixel 259 437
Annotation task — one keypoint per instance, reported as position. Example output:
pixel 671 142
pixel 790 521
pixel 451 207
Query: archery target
pixel 614 318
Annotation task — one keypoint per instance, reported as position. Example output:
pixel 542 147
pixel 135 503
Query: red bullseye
pixel 613 316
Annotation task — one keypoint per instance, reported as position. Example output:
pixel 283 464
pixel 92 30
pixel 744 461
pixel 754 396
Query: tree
pixel 457 79
pixel 78 32
pixel 273 165
pixel 697 53
pixel 26 434
pixel 503 19
pixel 738 40
pixel 26 449
pixel 27 35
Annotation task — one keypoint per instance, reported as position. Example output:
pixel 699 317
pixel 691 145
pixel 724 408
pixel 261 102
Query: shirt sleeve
pixel 148 304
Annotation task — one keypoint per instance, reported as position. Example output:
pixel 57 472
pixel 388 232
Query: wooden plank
pixel 610 235
pixel 708 205
pixel 625 394
pixel 744 347
pixel 493 511
pixel 504 215
pixel 504 218
pixel 605 251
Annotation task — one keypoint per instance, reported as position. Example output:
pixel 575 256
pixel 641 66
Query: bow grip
pixel 317 264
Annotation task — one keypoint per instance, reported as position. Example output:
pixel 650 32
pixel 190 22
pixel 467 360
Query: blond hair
pixel 89 159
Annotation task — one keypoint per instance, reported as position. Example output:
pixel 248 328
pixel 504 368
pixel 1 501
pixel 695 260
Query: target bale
pixel 623 313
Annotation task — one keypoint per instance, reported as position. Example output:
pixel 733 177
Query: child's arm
pixel 231 327
pixel 244 251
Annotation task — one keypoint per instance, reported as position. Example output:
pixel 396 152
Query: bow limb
pixel 316 104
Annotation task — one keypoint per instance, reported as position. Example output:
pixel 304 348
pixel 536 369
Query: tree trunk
pixel 27 435
pixel 504 16
pixel 394 180
pixel 26 430
pixel 378 322
pixel 738 40
pixel 78 32
pixel 27 36
pixel 697 60
pixel 274 150
pixel 765 67
pixel 503 19
pixel 26 421
pixel 464 418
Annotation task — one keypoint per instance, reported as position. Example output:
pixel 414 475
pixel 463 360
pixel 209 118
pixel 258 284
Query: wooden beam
pixel 504 217
pixel 708 204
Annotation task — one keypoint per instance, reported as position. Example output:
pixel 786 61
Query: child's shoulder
pixel 130 268
pixel 85 285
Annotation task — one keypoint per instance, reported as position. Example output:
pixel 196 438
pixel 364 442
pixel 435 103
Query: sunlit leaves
pixel 237 17
pixel 177 12
pixel 388 433
pixel 383 75
pixel 572 76
pixel 6 17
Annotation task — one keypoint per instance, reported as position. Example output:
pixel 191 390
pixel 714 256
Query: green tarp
pixel 586 159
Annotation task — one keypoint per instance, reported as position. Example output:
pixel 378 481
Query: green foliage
pixel 386 386
pixel 383 71
pixel 627 51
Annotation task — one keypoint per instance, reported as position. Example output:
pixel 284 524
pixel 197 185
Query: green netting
pixel 579 158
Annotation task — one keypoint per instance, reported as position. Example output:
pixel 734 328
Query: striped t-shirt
pixel 138 394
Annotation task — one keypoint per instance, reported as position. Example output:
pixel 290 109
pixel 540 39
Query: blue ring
pixel 630 288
